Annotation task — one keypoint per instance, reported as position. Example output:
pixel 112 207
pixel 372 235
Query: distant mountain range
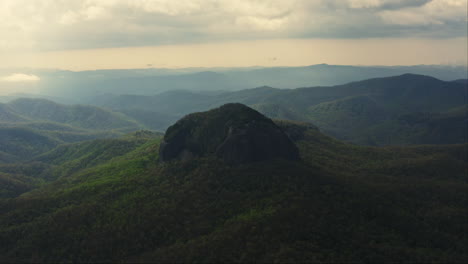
pixel 398 110
pixel 73 86
pixel 405 109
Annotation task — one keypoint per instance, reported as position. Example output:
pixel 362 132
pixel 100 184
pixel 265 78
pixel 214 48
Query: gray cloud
pixel 386 4
pixel 58 24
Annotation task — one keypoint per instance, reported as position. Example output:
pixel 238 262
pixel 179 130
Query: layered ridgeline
pixel 406 109
pixel 72 85
pixel 401 110
pixel 29 127
pixel 336 203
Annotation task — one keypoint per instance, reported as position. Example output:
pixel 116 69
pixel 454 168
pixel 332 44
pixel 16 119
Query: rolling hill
pixel 45 165
pixel 20 143
pixel 8 115
pixel 29 127
pixel 81 116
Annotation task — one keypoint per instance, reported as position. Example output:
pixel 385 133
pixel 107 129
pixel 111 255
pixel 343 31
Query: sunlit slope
pixel 65 159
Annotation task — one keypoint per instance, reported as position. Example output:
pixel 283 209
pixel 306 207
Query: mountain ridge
pixel 395 96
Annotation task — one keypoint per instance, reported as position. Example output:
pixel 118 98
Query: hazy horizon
pixel 145 34
pixel 149 81
pixel 124 34
pixel 259 53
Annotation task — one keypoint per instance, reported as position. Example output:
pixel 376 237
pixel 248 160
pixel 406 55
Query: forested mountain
pixel 29 127
pixel 399 110
pixel 116 201
pixel 405 109
pixel 463 81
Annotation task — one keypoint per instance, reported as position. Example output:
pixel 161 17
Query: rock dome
pixel 234 132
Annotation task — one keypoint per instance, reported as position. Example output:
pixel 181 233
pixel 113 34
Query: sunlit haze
pixel 284 52
pixel 119 34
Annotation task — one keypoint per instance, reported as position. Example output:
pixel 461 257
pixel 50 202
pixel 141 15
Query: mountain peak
pixel 233 132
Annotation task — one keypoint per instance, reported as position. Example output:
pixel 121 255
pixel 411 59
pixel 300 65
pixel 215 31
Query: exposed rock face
pixel 233 132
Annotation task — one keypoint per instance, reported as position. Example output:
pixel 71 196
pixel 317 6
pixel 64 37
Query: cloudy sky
pixel 97 34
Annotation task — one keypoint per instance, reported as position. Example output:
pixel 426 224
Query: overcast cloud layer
pixel 68 24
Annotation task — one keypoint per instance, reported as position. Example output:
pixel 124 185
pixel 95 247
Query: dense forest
pixel 114 200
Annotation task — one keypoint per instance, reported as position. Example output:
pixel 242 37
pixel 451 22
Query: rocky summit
pixel 233 132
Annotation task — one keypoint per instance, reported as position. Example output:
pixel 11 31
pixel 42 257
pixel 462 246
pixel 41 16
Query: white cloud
pixel 365 3
pixel 87 13
pixel 259 23
pixel 69 18
pixel 21 77
pixel 172 8
pixel 379 3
